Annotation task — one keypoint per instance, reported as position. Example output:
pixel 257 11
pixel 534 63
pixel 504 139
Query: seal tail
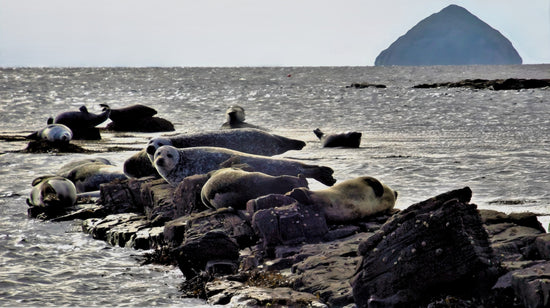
pixel 322 174
pixel 318 133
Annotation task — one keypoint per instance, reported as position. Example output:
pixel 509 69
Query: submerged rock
pixel 452 36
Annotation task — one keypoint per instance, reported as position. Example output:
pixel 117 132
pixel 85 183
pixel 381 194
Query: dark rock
pixel 528 286
pixel 45 146
pixel 289 225
pixel 198 249
pixel 451 37
pixel 324 269
pixel 122 196
pixel 433 247
pixel 267 202
pixel 362 85
pixel 496 84
pixel 187 195
pixel 156 197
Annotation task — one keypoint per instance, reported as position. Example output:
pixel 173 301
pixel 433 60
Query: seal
pixel 82 123
pixel 234 118
pixel 131 113
pixel 346 139
pixel 175 164
pixel 88 176
pixel 66 168
pixel 139 165
pixel 248 140
pixel 53 133
pixel 349 200
pixel 52 192
pixel 231 187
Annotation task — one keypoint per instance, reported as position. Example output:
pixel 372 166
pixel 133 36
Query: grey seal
pixel 349 200
pixel 53 133
pixel 234 118
pixel 175 164
pixel 248 140
pixel 82 123
pixel 52 192
pixel 345 139
pixel 232 187
pixel 89 175
pixel 139 165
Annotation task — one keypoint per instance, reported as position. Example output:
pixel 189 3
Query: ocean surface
pixel 420 142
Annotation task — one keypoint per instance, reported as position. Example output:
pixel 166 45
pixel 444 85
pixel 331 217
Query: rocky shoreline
pixel 442 252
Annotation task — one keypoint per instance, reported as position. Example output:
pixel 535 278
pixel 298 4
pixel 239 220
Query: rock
pixel 289 225
pixel 122 196
pixel 200 249
pixel 45 146
pixel 527 287
pixel 433 247
pixel 452 36
pixel 187 195
pixel 496 84
pixel 156 197
pixel 362 85
pixel 325 269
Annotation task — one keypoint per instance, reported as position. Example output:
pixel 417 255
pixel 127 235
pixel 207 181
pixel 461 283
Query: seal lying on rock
pixel 139 165
pixel 230 187
pixel 137 118
pixel 347 139
pixel 52 192
pixel 349 200
pixel 88 176
pixel 234 118
pixel 248 140
pixel 82 123
pixel 53 133
pixel 175 164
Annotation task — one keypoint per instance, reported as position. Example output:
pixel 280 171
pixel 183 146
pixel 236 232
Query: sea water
pixel 420 142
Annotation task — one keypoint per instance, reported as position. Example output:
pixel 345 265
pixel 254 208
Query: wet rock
pixel 289 225
pixel 201 249
pixel 45 146
pixel 122 196
pixel 496 84
pixel 362 85
pixel 156 197
pixel 187 195
pixel 433 247
pixel 526 286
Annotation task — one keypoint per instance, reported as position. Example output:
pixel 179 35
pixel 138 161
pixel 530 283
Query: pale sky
pixel 240 32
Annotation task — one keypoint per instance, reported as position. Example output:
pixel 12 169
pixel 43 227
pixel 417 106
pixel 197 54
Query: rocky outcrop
pixel 281 252
pixel 496 84
pixel 452 36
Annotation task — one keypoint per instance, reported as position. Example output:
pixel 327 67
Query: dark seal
pixel 346 139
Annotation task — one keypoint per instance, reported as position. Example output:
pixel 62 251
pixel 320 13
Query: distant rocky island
pixel 452 36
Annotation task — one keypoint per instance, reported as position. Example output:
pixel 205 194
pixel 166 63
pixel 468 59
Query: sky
pixel 240 32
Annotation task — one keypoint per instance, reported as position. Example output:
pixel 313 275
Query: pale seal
pixel 88 176
pixel 175 164
pixel 346 139
pixel 230 187
pixel 234 118
pixel 349 200
pixel 53 133
pixel 52 192
pixel 248 140
pixel 82 123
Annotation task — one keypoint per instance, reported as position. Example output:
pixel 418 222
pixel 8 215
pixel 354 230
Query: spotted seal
pixel 89 175
pixel 346 139
pixel 234 118
pixel 82 123
pixel 53 133
pixel 52 192
pixel 248 140
pixel 349 200
pixel 233 187
pixel 175 164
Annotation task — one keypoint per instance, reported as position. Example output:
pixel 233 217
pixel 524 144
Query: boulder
pixel 434 247
pixel 452 36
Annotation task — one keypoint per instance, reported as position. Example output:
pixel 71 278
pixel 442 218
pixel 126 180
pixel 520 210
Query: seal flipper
pixel 321 173
pixel 83 109
pixel 318 133
pixel 375 185
pixel 50 121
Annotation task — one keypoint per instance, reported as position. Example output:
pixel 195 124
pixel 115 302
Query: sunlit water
pixel 421 142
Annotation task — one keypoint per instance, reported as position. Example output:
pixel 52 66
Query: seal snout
pixel 160 162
